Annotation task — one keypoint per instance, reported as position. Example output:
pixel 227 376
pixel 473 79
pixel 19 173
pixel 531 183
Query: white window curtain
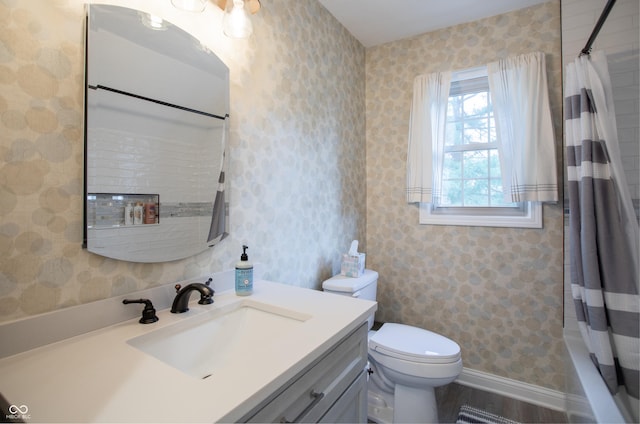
pixel 426 136
pixel 524 126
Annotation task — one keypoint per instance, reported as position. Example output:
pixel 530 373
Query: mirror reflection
pixel 156 112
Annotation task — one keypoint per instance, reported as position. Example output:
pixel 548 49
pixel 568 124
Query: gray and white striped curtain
pixel 218 228
pixel 603 227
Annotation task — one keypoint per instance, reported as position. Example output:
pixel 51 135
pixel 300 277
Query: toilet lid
pixel 414 344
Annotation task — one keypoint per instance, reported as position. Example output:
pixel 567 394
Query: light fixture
pixel 189 5
pixel 236 22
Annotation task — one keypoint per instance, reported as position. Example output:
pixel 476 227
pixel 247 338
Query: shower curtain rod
pixel 160 102
pixel 596 29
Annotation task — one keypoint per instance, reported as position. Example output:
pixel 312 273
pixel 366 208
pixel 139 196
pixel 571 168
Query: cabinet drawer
pixel 309 395
pixel 351 407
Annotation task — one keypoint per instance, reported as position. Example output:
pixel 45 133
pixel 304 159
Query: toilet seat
pixel 414 344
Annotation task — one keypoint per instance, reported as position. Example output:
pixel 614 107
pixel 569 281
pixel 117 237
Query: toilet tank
pixel 363 287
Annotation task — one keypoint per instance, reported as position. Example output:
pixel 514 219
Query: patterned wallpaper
pixel 495 291
pixel 297 163
pixel 300 189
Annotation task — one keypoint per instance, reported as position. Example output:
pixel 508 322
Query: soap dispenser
pixel 244 274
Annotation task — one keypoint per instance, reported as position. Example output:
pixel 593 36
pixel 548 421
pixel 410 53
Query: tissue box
pixel 352 266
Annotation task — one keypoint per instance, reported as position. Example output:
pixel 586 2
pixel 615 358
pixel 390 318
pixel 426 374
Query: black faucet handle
pixel 205 299
pixel 177 287
pixel 148 313
pixel 208 284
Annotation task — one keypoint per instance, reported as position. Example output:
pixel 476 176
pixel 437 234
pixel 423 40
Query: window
pixel 470 185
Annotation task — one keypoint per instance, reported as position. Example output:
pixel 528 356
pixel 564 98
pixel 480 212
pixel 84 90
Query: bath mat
pixel 470 415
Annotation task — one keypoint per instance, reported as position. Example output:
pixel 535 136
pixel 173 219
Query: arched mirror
pixel 156 122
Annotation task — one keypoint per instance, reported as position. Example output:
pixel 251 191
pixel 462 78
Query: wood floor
pixel 452 396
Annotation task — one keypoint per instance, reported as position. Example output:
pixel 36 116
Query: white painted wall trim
pixel 526 392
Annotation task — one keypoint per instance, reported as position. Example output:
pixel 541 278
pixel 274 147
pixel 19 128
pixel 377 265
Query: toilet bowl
pixel 406 363
pixel 415 361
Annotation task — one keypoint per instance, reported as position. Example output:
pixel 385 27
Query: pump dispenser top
pixel 244 274
pixel 244 256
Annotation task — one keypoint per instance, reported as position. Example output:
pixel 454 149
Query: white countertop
pixel 99 377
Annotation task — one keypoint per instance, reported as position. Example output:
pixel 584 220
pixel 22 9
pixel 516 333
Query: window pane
pixel 475 131
pixel 476 164
pixel 453 107
pixel 492 129
pixel 451 193
pixel 475 104
pixel 453 135
pixel 452 166
pixel 494 164
pixel 476 192
pixel 471 169
pixel 496 192
pixel 497 198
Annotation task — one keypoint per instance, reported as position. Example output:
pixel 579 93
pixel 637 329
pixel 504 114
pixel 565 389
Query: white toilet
pixel 407 362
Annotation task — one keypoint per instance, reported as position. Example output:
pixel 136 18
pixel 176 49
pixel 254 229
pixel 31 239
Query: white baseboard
pixel 531 393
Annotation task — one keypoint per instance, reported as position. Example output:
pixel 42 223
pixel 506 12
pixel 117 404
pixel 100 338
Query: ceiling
pixel 375 22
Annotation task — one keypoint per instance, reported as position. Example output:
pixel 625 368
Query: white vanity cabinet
pixel 331 389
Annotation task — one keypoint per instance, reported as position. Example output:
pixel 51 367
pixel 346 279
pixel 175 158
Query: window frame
pixel 525 215
pixel 529 215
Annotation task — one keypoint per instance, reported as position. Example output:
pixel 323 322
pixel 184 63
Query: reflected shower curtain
pixel 603 227
pixel 217 231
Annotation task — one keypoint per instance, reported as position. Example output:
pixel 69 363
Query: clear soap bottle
pixel 244 274
pixel 138 214
pixel 128 214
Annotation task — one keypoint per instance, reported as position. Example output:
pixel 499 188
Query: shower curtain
pixel 603 227
pixel 217 230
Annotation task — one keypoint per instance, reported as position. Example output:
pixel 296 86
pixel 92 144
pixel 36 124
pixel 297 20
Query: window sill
pixel 530 217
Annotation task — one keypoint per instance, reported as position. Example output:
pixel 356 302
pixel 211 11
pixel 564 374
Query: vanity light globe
pixel 236 22
pixel 189 5
pixel 153 22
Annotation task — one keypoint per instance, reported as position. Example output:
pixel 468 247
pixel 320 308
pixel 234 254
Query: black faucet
pixel 181 301
pixel 148 313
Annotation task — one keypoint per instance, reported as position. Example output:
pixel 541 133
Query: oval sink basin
pixel 199 345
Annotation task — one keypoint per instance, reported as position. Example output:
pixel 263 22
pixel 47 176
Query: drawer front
pixel 351 407
pixel 309 395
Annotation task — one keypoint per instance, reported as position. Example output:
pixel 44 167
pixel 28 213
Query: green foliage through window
pixel 471 167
